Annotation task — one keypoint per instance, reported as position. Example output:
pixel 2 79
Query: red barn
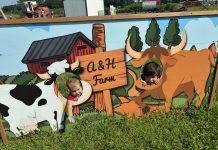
pixel 42 53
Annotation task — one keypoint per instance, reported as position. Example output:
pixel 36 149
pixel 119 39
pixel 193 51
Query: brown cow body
pixel 183 71
pixel 189 74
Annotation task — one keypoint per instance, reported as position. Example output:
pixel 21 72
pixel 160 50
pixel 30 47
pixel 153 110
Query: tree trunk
pixel 170 46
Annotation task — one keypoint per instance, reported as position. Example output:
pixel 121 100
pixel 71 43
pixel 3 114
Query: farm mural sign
pixel 69 64
pixel 104 70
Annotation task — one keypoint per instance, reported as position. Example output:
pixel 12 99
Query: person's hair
pixel 72 82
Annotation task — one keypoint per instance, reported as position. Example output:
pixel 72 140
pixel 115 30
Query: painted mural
pixel 54 69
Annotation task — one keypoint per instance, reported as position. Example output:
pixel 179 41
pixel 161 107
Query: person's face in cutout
pixel 77 90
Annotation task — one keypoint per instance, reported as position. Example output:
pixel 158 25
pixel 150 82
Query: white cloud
pixel 201 33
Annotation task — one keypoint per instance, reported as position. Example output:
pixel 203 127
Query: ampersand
pixel 100 65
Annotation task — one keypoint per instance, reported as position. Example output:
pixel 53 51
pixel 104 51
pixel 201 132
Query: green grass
pixel 194 129
pixel 211 7
pixel 14 15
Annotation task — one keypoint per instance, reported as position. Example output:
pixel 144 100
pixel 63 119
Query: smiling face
pixel 76 90
pixel 75 87
pixel 153 64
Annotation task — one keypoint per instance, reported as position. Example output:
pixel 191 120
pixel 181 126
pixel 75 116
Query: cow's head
pixel 59 68
pixel 153 63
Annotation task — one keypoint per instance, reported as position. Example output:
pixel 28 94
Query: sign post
pixel 104 71
pixel 213 92
pixel 2 131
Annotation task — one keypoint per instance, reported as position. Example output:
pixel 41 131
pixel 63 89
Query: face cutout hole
pixel 151 72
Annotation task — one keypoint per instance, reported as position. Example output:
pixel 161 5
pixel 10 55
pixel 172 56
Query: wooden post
pixel 3 133
pixel 213 92
pixel 108 102
pixel 98 37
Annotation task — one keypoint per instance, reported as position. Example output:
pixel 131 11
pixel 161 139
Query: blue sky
pixel 7 2
pixel 15 40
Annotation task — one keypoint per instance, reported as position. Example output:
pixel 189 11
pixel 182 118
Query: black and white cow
pixel 23 105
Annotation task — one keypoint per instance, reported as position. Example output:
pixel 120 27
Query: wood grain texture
pixel 99 101
pixel 109 77
pixel 3 133
pixel 98 37
pixel 98 34
pixel 108 102
pixel 108 18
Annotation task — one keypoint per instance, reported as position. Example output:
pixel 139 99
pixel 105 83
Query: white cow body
pixel 21 115
pixel 18 110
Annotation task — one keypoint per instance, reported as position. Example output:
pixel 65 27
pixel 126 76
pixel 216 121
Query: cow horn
pixel 130 51
pixel 181 45
pixel 75 64
pixel 44 76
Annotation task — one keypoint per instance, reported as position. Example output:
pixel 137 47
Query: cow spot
pixel 4 110
pixel 55 115
pixel 42 102
pixel 26 93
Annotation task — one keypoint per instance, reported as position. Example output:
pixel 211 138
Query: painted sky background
pixel 15 40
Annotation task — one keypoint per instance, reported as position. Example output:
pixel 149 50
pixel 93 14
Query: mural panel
pixel 50 70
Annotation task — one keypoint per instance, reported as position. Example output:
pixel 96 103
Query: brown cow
pixel 165 74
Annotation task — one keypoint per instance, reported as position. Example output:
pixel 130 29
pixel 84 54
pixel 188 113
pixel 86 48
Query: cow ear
pixel 171 61
pixel 212 48
pixel 193 48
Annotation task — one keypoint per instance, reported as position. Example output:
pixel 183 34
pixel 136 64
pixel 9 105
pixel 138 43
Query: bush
pixel 117 3
pixel 169 7
pixel 4 78
pixel 24 78
pixel 54 4
pixel 132 8
pixel 18 8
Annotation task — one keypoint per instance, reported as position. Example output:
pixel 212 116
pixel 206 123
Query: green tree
pixel 171 36
pixel 38 1
pixel 135 40
pixel 117 3
pixel 152 37
pixel 54 3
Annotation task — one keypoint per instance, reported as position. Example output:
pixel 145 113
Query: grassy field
pixel 191 129
pixel 194 129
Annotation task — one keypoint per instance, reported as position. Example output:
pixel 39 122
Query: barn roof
pixel 53 47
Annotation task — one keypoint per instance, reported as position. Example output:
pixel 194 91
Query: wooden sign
pixel 104 70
